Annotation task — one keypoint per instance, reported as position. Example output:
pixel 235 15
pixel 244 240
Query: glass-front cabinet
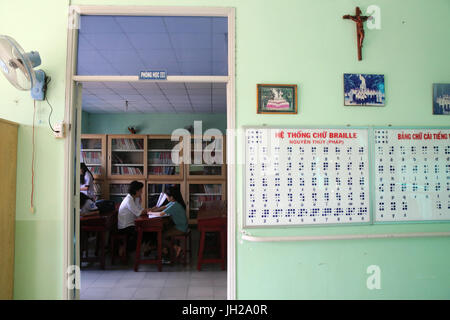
pixel 93 154
pixel 127 156
pixel 203 191
pixel 160 162
pixel 208 156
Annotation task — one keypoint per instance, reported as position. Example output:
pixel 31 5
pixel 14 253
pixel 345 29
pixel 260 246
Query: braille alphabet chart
pixel 412 174
pixel 306 176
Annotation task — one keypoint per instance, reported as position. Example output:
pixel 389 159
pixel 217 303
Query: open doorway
pixel 126 135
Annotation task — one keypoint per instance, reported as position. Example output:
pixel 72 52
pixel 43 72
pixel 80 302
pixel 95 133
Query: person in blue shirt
pixel 176 209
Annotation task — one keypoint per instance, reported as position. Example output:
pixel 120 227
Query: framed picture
pixel 277 98
pixel 364 89
pixel 441 98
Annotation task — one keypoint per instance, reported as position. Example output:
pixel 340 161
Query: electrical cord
pixel 47 81
pixel 51 111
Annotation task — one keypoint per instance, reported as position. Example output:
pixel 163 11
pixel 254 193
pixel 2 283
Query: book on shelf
pixel 118 188
pixel 116 159
pixel 128 171
pixel 91 157
pixel 127 144
pixel 164 157
pixel 205 170
pixel 95 170
pixel 163 170
pixel 208 188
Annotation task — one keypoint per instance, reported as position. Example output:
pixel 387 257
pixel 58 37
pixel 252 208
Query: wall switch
pixel 60 129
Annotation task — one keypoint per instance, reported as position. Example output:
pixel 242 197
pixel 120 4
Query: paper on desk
pixel 151 216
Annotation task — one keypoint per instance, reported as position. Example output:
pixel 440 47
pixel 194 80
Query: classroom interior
pixel 126 135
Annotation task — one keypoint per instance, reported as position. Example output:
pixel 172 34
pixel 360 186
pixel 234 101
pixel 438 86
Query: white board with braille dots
pixel 306 177
pixel 412 174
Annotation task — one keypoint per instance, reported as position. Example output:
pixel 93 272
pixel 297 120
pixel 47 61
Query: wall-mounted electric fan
pixel 18 67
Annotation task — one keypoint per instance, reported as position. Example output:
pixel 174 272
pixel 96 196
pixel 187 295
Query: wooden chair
pixel 116 237
pixel 144 224
pixel 100 224
pixel 186 245
pixel 119 238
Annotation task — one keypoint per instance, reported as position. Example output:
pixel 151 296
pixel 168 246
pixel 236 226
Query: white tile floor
pixel 154 285
pixel 175 282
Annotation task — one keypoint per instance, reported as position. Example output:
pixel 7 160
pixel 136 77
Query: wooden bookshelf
pixel 127 157
pixel 202 171
pixel 200 191
pixel 159 159
pixel 93 154
pixel 118 190
pixel 117 152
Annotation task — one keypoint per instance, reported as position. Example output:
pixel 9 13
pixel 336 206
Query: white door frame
pixel 73 113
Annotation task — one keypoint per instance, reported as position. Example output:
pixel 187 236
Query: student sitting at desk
pixel 87 206
pixel 129 210
pixel 176 209
pixel 86 181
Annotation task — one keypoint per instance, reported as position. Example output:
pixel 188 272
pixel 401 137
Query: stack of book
pixel 116 189
pixel 128 144
pixel 134 171
pixel 158 171
pixel 95 170
pixel 160 157
pixel 91 157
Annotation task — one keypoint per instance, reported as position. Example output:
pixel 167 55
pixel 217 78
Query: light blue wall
pixel 154 123
pixel 85 122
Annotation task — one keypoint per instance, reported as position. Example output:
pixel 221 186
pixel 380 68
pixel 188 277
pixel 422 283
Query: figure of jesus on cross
pixel 359 20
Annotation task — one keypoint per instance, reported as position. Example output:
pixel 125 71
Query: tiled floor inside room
pixel 175 282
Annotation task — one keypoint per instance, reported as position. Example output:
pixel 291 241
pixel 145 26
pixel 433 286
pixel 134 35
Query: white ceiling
pixel 154 97
pixel 126 45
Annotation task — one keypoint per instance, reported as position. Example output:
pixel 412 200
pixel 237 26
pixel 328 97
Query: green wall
pixel 313 47
pixel 41 26
pixel 148 123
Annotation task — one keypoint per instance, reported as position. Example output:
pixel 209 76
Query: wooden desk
pixel 100 224
pixel 146 224
pixel 212 217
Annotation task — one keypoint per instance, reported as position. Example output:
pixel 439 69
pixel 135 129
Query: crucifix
pixel 359 20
